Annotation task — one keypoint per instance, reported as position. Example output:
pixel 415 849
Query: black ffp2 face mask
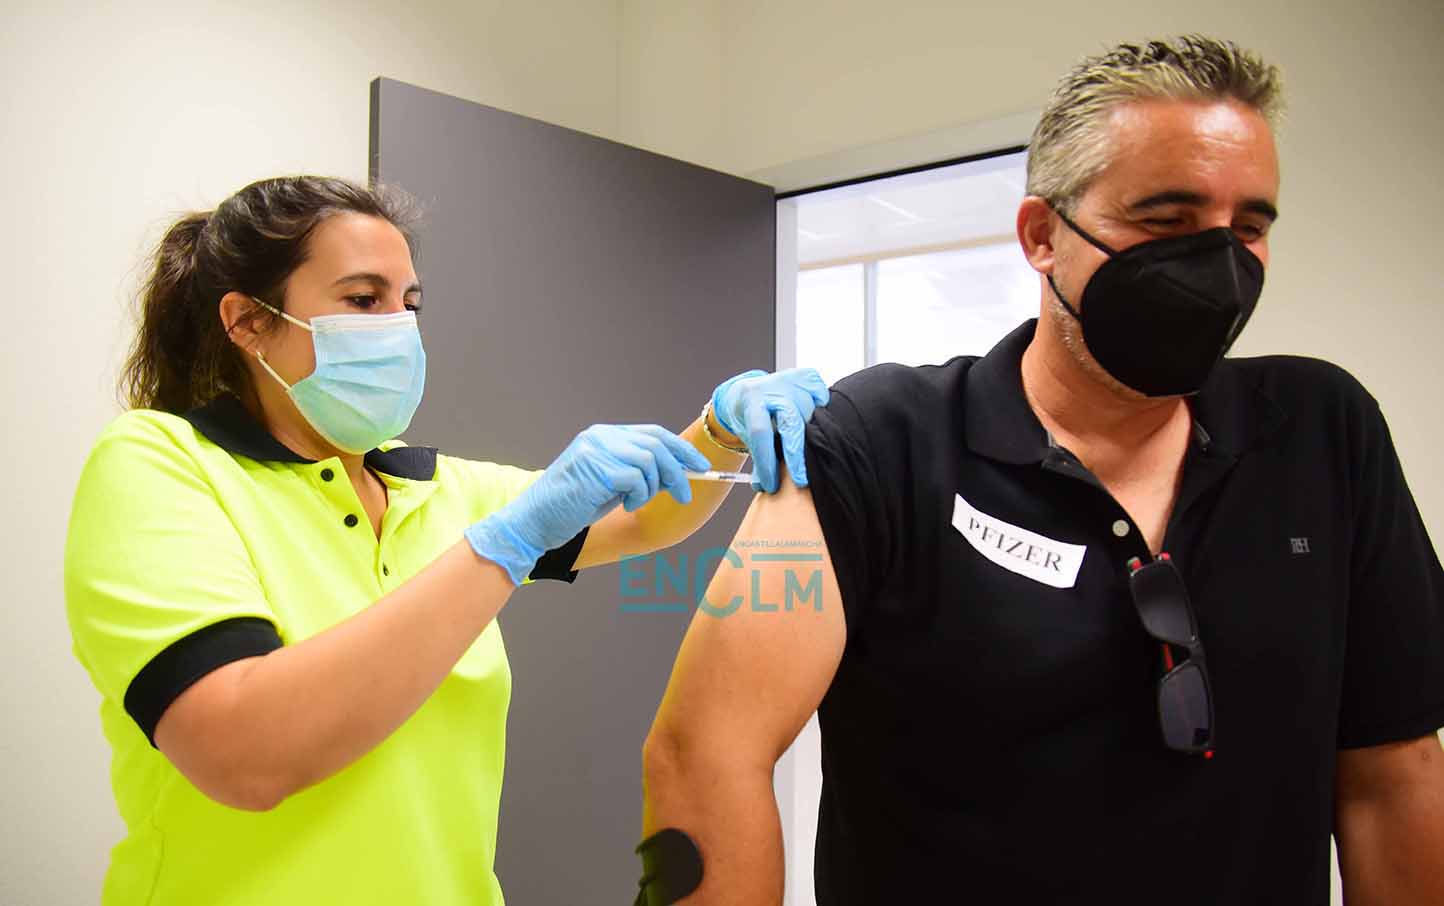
pixel 1158 316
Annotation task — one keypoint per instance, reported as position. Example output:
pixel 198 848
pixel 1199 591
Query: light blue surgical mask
pixel 370 371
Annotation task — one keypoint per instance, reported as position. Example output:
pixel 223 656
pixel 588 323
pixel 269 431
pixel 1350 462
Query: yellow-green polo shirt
pixel 200 539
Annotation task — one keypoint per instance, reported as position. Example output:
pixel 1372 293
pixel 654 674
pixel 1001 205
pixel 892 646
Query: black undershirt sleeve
pixel 557 563
pixel 186 660
pixel 1394 661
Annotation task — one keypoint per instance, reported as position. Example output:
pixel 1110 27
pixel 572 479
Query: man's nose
pixel 1210 219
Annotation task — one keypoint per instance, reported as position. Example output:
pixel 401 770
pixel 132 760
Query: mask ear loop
pixel 1091 241
pixel 296 321
pixel 1081 232
pixel 267 365
pixel 260 357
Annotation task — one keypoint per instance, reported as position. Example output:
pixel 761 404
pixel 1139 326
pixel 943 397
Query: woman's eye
pixel 362 301
pixel 413 306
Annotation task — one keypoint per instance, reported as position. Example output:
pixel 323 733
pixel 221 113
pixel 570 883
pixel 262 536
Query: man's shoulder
pixel 1302 383
pixel 890 390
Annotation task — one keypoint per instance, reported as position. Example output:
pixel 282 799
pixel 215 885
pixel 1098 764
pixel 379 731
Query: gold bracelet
pixel 710 436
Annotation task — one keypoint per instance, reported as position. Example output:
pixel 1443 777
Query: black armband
pixel 671 868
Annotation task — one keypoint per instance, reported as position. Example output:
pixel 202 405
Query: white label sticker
pixel 1017 549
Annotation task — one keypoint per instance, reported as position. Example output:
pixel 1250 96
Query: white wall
pixel 114 119
pixel 670 77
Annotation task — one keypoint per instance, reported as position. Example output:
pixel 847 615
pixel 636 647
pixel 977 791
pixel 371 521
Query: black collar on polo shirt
pixel 226 422
pixel 1230 413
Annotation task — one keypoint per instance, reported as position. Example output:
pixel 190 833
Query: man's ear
pixel 1035 232
pixel 238 316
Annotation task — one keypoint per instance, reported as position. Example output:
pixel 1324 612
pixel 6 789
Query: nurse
pixel 289 613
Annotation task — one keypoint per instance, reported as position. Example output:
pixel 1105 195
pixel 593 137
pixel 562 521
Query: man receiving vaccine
pixel 1105 617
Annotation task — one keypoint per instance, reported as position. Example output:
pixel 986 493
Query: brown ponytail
pixel 159 372
pixel 251 243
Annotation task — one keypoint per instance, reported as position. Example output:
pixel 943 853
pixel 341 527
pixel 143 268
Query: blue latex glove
pixel 756 405
pixel 602 466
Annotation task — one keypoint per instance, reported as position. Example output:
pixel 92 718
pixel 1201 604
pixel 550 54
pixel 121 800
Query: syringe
pixel 715 475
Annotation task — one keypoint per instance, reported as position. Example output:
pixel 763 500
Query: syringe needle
pixel 715 475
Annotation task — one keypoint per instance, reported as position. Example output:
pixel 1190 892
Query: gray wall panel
pixel 572 280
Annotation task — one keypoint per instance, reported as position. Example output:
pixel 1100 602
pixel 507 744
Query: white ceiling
pixel 957 203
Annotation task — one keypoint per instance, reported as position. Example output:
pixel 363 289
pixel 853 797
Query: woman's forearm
pixel 666 521
pixel 663 522
pixel 255 731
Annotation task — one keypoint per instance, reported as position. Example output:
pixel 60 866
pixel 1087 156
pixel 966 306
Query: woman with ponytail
pixel 290 613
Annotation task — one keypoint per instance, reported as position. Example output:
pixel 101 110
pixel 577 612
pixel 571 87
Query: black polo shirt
pixel 992 732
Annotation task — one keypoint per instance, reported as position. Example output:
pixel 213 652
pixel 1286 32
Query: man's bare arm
pixel 743 686
pixel 1390 823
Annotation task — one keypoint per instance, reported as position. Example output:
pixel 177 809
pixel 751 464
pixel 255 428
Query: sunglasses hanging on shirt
pixel 1185 695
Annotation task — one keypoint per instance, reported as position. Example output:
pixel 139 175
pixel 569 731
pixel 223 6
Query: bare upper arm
pixel 1389 822
pixel 192 735
pixel 762 650
pixel 1377 773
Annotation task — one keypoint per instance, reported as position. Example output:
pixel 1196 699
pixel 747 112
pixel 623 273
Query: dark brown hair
pixel 251 243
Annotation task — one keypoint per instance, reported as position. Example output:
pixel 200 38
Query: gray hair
pixel 1070 145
